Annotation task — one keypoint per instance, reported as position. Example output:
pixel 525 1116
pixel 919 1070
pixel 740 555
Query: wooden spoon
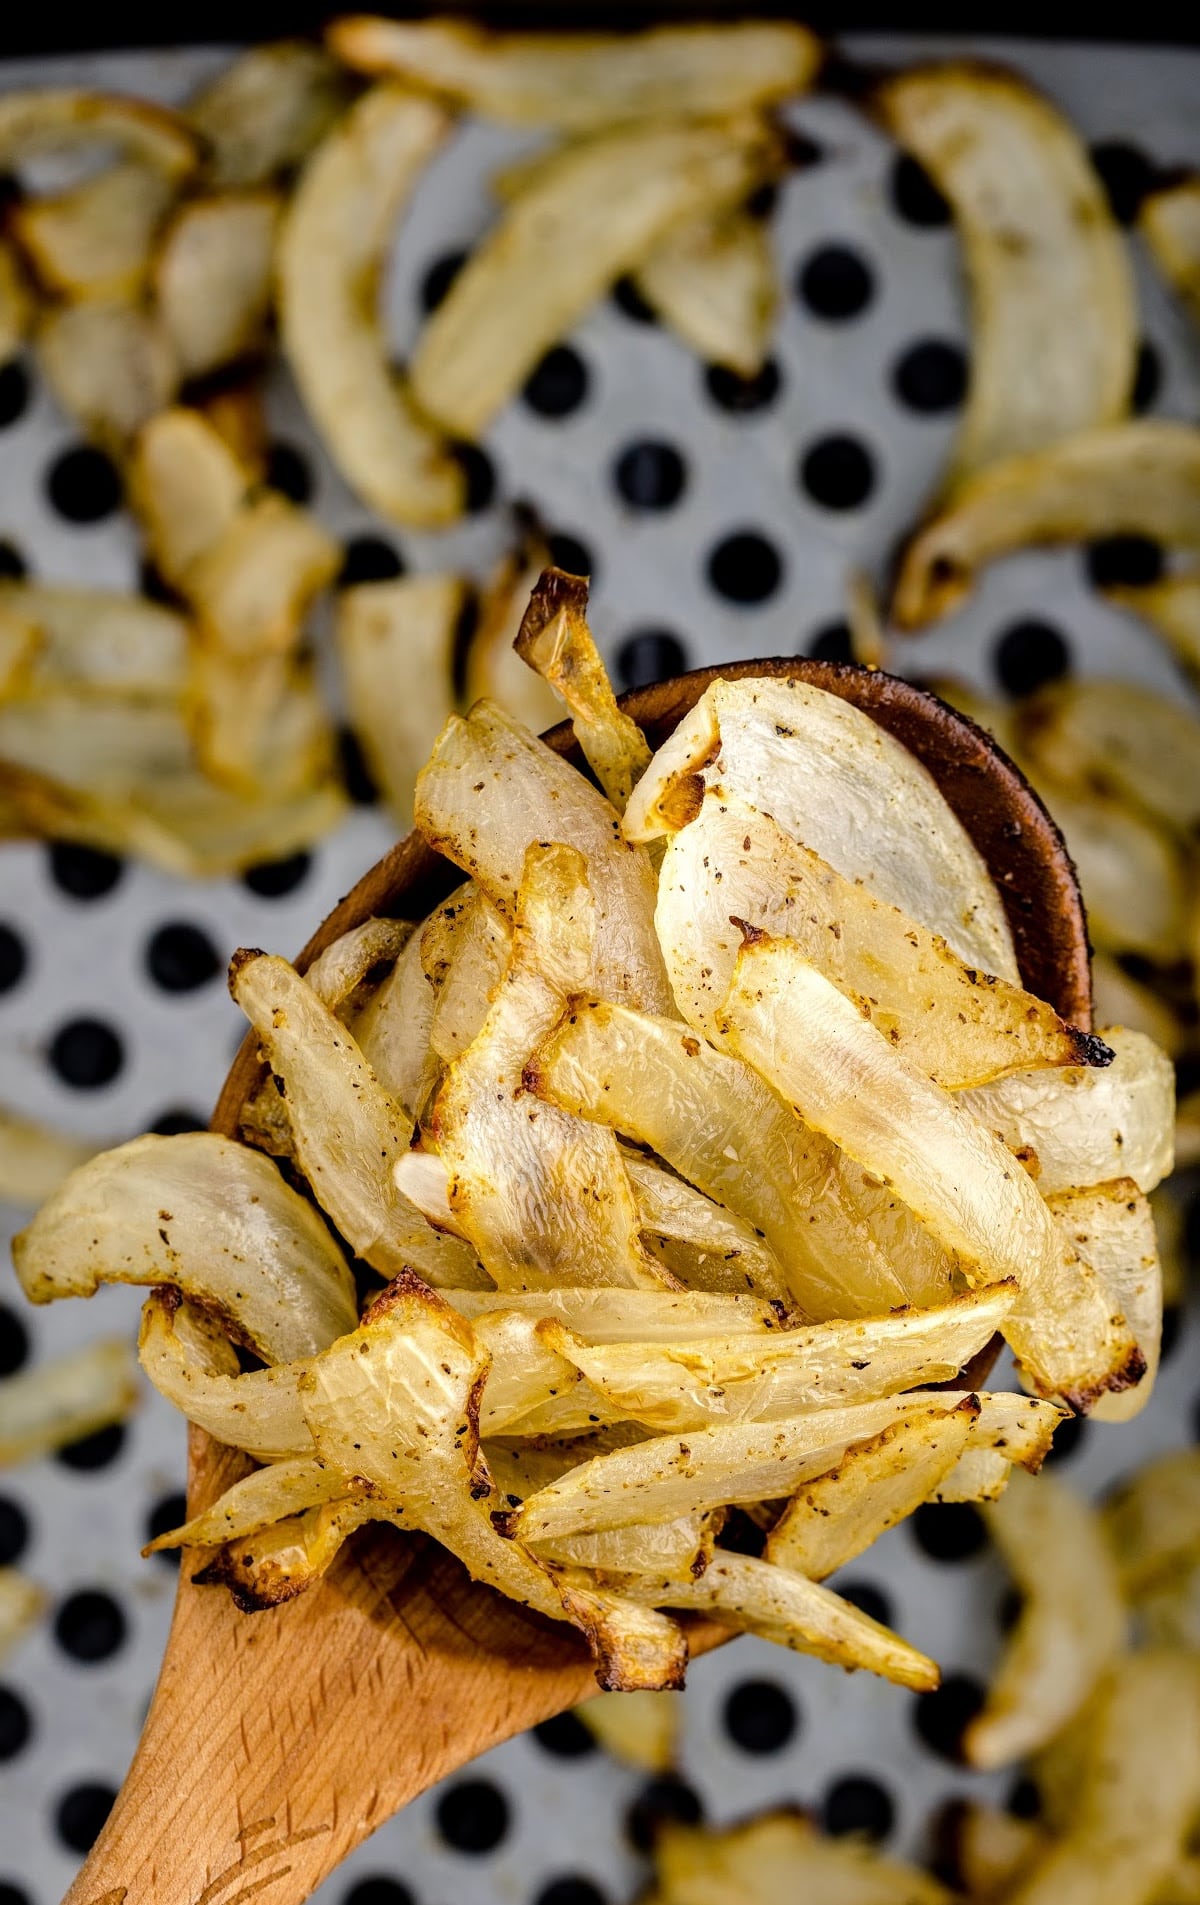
pixel 277 1741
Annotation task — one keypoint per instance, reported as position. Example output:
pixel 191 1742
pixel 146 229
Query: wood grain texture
pixel 276 1742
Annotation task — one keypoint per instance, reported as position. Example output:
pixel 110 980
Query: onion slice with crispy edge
pixel 462 998
pixel 527 1465
pixel 1153 1520
pixel 60 1401
pixel 208 1216
pixel 1138 479
pixel 34 1159
pixel 442 935
pixel 1070 1628
pixel 355 957
pixel 346 1130
pixel 491 667
pixel 542 1196
pixel 258 727
pixel 187 486
pixel 591 212
pixel 930 1271
pixel 1169 221
pixel 460 814
pixel 698 1382
pixel 834 1518
pixel 251 586
pixel 1131 870
pixel 717 1124
pixel 234 698
pixel 178 821
pixel 278 1563
pixel 1075 1127
pixel 395 642
pixel 1167 1614
pixel 1172 608
pixel 235 406
pixel 1054 318
pixel 393 1029
pixel 603 1314
pixel 555 641
pixel 990 1850
pixel 40 119
pixel 339 976
pixel 331 251
pixel 99 639
pixel 746 1462
pixel 336 974
pixel 714 282
pixel 716 1252
pixel 979 1475
pixel 111 365
pixel 264 112
pixel 107 745
pixel 96 240
pixel 1121 738
pixel 832 778
pixel 678 1547
pixel 957 1024
pixel 639 1729
pixel 1112 1228
pixel 757 1598
pixel 129 762
pixel 823 1056
pixel 779 1857
pixel 1005 1437
pixel 529 1381
pixel 1139 1786
pixel 722 1251
pixel 866 621
pixel 580 82
pixel 21 1602
pixel 213 278
pixel 189 1359
pixel 396 1404
pixel 635 1648
pixel 256 1502
pixel 987 711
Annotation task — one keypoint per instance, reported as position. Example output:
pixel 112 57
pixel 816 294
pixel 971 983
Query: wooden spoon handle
pixel 269 1753
pixel 224 1799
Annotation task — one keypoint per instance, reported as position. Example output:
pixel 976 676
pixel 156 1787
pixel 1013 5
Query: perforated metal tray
pixel 761 1726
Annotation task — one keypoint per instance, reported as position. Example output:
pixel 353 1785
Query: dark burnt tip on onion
pixel 1127 1375
pixel 243 957
pixel 1131 1371
pixel 555 589
pixel 751 935
pixel 404 1286
pixel 1092 1050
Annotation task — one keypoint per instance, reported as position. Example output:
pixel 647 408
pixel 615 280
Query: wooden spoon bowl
pixel 276 1742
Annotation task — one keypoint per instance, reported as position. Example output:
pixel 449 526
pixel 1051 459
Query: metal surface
pixel 87 958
